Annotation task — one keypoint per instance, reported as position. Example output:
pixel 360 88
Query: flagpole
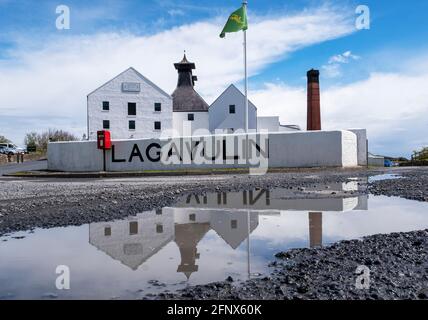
pixel 244 3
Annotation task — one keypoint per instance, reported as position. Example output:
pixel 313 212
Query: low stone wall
pixel 27 157
pixel 273 150
pixel 3 158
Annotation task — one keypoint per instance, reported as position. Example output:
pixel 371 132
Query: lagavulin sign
pixel 213 151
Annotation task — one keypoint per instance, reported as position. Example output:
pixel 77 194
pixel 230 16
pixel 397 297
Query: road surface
pixel 26 166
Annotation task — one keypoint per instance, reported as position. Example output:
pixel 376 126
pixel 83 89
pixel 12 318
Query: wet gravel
pixel 398 262
pixel 397 267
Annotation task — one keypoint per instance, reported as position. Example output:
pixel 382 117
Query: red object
pixel 103 140
pixel 314 108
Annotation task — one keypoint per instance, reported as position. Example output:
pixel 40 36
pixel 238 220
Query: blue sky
pixel 355 65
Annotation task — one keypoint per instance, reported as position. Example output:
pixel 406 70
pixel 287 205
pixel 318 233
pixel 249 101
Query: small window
pixel 234 224
pixel 192 217
pixel 106 124
pixel 107 231
pixel 106 106
pixel 159 228
pixel 158 107
pixel 190 117
pixel 157 125
pixel 133 227
pixel 132 109
pixel 158 212
pixel 232 108
pixel 131 125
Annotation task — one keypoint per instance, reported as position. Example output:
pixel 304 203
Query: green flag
pixel 236 22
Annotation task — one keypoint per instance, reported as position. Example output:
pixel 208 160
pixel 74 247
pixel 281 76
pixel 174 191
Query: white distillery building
pixel 133 107
pixel 227 112
pixel 130 106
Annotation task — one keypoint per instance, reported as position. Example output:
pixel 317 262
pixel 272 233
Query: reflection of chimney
pixel 315 229
pixel 314 110
pixel 187 237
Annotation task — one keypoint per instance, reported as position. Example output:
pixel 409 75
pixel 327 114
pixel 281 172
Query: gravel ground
pixel 397 264
pixel 314 273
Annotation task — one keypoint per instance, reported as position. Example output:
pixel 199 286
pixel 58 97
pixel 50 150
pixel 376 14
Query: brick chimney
pixel 314 110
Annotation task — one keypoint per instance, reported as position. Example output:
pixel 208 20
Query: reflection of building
pixel 315 229
pixel 233 217
pixel 134 240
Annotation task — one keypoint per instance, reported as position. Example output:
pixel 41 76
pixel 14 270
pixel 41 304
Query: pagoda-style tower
pixel 185 98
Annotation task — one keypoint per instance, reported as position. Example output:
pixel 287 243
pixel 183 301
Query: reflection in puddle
pixel 387 176
pixel 199 240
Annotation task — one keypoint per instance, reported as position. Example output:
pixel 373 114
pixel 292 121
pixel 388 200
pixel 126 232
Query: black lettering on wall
pixel 135 153
pixel 113 157
pixel 148 155
pixel 225 157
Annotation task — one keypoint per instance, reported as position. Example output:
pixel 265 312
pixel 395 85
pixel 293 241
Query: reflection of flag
pixel 236 22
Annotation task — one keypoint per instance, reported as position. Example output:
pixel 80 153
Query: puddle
pixel 387 176
pixel 199 240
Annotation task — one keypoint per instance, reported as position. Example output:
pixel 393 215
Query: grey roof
pixel 186 99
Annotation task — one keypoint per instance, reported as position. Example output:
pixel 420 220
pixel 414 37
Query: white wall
pixel 118 113
pixel 295 149
pixel 220 118
pixel 183 127
pixel 361 145
pixel 376 161
pixel 270 124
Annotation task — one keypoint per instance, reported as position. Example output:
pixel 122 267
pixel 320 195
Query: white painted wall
pixel 270 124
pixel 220 118
pixel 295 149
pixel 183 127
pixel 376 161
pixel 118 113
pixel 361 145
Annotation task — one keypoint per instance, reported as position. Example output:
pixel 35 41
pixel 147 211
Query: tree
pixel 41 140
pixel 421 155
pixel 30 139
pixel 3 139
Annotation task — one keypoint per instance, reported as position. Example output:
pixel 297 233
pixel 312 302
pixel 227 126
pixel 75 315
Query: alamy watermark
pixel 63 20
pixel 220 149
pixel 363 20
pixel 62 282
pixel 362 282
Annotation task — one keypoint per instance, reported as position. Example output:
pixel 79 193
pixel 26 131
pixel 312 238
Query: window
pixel 106 106
pixel 131 124
pixel 133 227
pixel 107 231
pixel 232 108
pixel 159 228
pixel 158 211
pixel 132 109
pixel 106 124
pixel 190 117
pixel 192 217
pixel 234 224
pixel 158 106
pixel 157 125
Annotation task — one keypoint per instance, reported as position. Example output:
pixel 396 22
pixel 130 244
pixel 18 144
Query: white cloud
pixel 333 68
pixel 52 82
pixel 392 106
